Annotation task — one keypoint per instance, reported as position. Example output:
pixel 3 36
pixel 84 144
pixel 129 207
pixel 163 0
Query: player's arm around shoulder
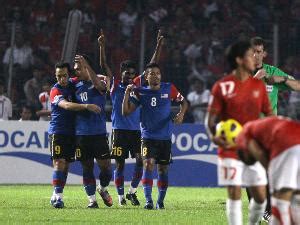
pixel 57 98
pixel 78 107
pixel 127 105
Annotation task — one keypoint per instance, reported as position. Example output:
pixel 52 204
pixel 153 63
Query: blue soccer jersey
pixel 156 117
pixel 130 122
pixel 62 121
pixel 89 123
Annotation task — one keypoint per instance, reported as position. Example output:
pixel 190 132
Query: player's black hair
pixel 152 65
pixel 2 83
pixel 258 41
pixel 91 63
pixel 62 64
pixel 127 64
pixel 235 50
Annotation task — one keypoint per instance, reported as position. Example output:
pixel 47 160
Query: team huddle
pixel 142 125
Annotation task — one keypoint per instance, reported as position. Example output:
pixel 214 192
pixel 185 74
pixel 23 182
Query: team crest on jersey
pixel 269 88
pixel 56 99
pixel 255 93
pixel 91 87
pixel 80 83
pixel 164 96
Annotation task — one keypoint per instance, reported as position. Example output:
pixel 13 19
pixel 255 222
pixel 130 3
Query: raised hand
pixel 101 39
pixel 159 38
pixel 81 61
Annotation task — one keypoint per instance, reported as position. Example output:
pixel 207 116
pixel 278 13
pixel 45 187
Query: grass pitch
pixel 29 204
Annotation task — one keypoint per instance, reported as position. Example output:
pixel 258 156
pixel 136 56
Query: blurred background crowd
pixel 196 33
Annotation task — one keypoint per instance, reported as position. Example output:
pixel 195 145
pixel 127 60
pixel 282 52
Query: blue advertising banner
pixel 24 151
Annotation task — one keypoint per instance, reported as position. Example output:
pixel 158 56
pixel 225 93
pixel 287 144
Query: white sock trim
pixel 132 190
pixel 92 198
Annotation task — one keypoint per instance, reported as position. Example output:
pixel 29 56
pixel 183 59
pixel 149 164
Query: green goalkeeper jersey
pixel 275 88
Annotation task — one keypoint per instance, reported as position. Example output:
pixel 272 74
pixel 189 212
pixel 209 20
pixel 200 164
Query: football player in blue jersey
pixel 126 135
pixel 61 130
pixel 91 134
pixel 156 126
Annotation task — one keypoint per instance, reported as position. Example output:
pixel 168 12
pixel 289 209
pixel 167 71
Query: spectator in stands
pixel 22 54
pixel 200 71
pixel 128 19
pixel 26 113
pixel 198 99
pixel 33 87
pixel 5 104
pixel 158 11
pixel 44 98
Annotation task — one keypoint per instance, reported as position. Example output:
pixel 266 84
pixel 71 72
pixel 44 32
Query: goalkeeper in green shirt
pixel 276 80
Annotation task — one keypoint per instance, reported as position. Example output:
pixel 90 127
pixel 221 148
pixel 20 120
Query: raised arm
pixel 102 55
pixel 127 106
pixel 157 51
pixel 98 83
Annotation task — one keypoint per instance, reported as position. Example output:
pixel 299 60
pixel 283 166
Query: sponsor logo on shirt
pixel 269 88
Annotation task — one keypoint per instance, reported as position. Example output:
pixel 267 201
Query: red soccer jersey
pixel 274 134
pixel 243 101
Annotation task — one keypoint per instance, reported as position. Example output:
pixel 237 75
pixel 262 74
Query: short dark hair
pixel 238 49
pixel 62 64
pixel 127 64
pixel 258 41
pixel 151 65
pixel 90 62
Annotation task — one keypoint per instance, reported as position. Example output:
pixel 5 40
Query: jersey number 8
pixel 153 101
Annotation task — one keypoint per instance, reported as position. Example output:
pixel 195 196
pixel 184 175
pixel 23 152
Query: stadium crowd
pixel 196 35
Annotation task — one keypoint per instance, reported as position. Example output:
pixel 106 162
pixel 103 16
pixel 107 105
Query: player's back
pixel 129 122
pixel 90 123
pixel 156 115
pixel 62 121
pixel 275 134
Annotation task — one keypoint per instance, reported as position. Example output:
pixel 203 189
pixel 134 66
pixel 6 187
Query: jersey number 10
pixel 83 96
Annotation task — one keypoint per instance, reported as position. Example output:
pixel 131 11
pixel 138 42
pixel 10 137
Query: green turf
pixel 29 204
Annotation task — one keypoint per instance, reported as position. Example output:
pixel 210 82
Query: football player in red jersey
pixel 241 97
pixel 265 140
